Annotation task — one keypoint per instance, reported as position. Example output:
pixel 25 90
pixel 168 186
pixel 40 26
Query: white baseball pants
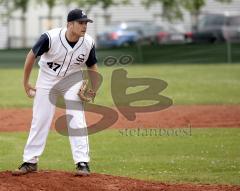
pixel 43 112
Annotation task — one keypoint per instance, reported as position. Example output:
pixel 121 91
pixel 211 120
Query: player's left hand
pixel 86 94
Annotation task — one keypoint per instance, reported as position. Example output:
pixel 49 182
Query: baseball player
pixel 63 52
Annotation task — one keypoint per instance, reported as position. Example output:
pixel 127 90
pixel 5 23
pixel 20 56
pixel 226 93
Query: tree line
pixel 171 9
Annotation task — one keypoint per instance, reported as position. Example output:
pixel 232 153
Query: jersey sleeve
pixel 42 45
pixel 91 58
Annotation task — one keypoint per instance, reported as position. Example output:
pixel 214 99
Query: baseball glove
pixel 85 94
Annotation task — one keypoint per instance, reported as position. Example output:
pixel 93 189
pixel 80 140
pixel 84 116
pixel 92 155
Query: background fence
pixel 159 54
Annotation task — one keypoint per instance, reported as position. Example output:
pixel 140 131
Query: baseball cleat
pixel 82 169
pixel 25 168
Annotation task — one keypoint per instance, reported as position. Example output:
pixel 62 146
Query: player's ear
pixel 69 24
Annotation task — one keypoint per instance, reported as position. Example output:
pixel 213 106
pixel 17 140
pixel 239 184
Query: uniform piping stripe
pixel 72 56
pixel 80 44
pixel 65 54
pixel 50 40
pixel 68 64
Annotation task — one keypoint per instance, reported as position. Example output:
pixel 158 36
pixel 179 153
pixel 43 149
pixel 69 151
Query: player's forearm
pixel 30 60
pixel 93 75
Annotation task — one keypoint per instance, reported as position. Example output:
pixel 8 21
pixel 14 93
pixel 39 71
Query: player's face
pixel 79 28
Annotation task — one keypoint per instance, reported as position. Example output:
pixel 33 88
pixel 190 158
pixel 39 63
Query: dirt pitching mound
pixel 56 180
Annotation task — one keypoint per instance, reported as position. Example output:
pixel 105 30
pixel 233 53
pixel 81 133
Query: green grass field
pixel 207 156
pixel 187 84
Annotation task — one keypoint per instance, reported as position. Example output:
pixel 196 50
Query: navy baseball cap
pixel 77 15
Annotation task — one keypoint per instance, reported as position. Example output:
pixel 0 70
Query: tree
pixel 195 6
pixel 51 4
pixel 106 4
pixel 23 6
pixel 87 5
pixel 171 9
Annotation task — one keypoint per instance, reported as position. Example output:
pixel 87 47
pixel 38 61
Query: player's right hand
pixel 30 91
